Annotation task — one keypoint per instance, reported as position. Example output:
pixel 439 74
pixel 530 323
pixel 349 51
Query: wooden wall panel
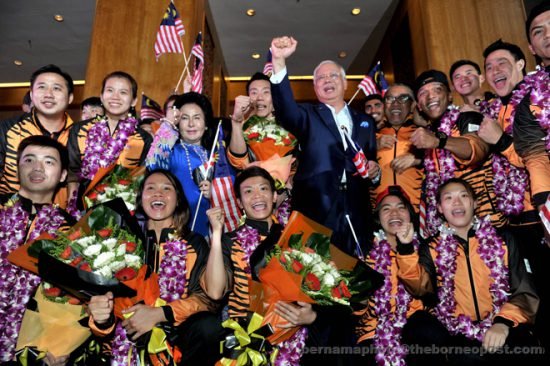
pixel 443 31
pixel 123 39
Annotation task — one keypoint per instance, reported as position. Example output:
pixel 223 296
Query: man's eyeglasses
pixel 332 76
pixel 401 99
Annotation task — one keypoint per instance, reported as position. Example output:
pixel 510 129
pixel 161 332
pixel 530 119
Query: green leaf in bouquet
pixel 363 282
pixel 295 241
pixel 103 217
pixel 47 245
pixel 320 243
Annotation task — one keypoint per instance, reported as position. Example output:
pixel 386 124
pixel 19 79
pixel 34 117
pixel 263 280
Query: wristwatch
pixel 442 136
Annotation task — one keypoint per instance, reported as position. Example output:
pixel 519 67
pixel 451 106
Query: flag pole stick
pixel 358 247
pixel 354 95
pixel 207 172
pixel 186 68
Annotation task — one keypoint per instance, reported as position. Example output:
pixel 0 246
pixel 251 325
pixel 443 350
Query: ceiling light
pixel 18 62
pixel 342 54
pixel 251 12
pixel 58 17
pixel 355 11
pixel 256 56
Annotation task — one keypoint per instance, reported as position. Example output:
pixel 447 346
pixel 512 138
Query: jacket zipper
pixel 470 274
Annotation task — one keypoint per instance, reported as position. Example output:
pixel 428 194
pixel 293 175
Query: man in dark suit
pixel 327 186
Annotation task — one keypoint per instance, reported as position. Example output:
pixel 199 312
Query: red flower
pixel 287 141
pixel 344 289
pixel 309 250
pixel 52 292
pixel 104 233
pixel 313 282
pixel 73 300
pixel 101 188
pixel 130 247
pixel 297 266
pixel 124 182
pixel 86 267
pixel 126 274
pixel 76 261
pixel 282 259
pixel 335 292
pixel 93 195
pixel 75 235
pixel 253 135
pixel 66 253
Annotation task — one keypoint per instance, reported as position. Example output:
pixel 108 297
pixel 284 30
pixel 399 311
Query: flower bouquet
pixel 112 182
pixel 304 266
pixel 93 257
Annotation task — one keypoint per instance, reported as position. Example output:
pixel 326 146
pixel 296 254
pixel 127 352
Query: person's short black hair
pixel 92 102
pixel 44 141
pixel 172 97
pixel 430 76
pixel 460 63
pixel 373 97
pixel 56 70
pixel 256 76
pixel 543 7
pixel 122 75
pixel 253 171
pixel 27 98
pixel 461 181
pixel 181 212
pixel 499 44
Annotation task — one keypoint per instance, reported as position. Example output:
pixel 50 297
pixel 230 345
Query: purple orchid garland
pixel 102 149
pixel 387 339
pixel 492 253
pixel 446 171
pixel 291 350
pixel 283 212
pixel 17 285
pixel 172 281
pixel 510 182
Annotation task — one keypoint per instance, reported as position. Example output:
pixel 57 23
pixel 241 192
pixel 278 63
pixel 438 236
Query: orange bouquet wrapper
pixel 147 289
pixel 266 149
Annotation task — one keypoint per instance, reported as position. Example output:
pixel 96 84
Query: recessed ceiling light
pixel 58 18
pixel 342 54
pixel 256 56
pixel 251 12
pixel 18 62
pixel 355 11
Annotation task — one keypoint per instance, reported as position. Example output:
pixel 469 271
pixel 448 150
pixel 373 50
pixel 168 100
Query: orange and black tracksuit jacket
pixel 529 141
pixel 472 279
pixel 12 132
pixel 133 154
pixel 368 321
pixel 477 170
pixel 238 298
pixel 411 179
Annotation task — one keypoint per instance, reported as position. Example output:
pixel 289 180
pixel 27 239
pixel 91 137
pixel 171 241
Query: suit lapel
pixel 328 120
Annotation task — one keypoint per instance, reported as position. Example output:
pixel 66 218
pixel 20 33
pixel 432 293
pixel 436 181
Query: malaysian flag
pixel 169 33
pixel 374 82
pixel 379 79
pixel 150 108
pixel 268 67
pixel 358 157
pixel 368 86
pixel 196 81
pixel 223 194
